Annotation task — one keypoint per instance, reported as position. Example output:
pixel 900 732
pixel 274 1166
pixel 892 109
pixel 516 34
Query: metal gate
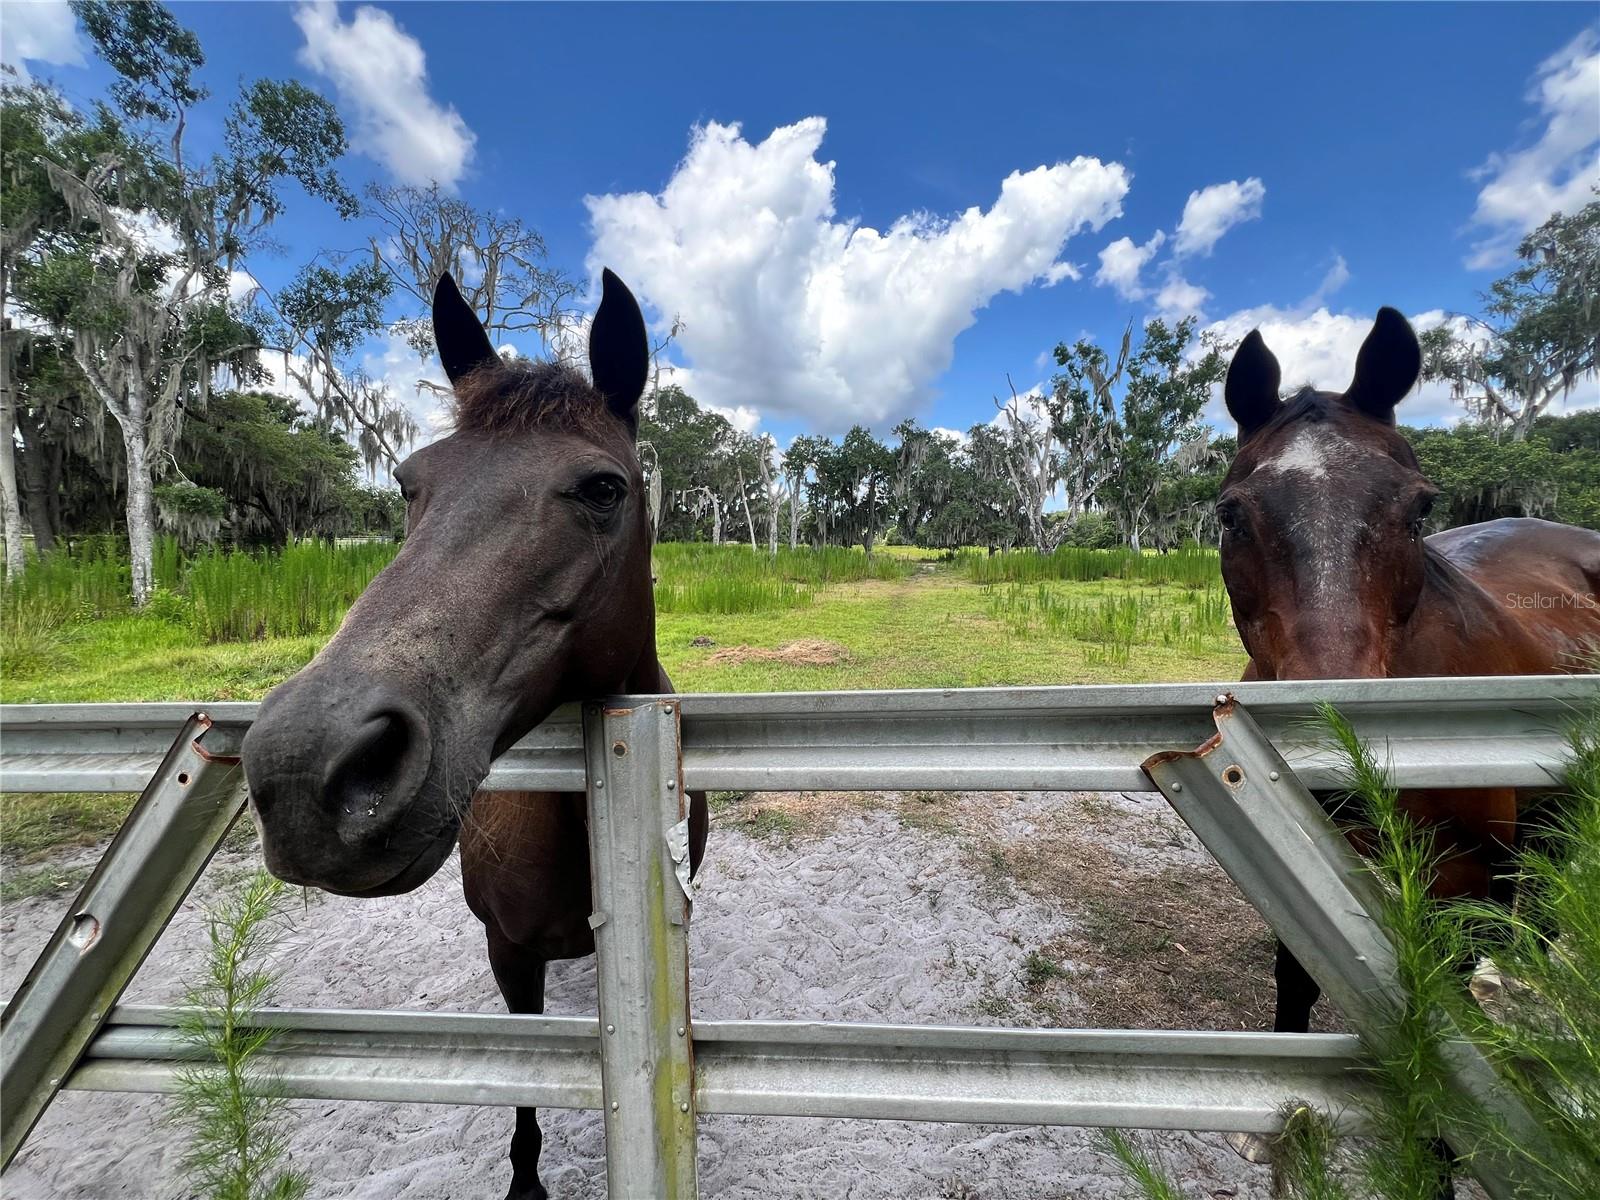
pixel 642 1060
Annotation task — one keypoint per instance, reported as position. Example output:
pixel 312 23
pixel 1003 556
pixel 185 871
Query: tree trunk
pixel 10 508
pixel 794 515
pixel 744 498
pixel 141 495
pixel 38 481
pixel 9 504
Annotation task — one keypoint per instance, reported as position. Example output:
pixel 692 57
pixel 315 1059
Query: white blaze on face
pixel 1307 452
pixel 1325 523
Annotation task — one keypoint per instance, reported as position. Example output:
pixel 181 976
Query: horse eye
pixel 1424 507
pixel 602 492
pixel 1228 518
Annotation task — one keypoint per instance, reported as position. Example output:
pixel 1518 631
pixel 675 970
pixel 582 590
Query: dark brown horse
pixel 1330 576
pixel 524 583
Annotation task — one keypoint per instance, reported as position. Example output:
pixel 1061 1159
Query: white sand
pixel 864 921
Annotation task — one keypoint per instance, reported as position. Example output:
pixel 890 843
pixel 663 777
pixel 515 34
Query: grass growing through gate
pixel 236 1120
pixel 1541 1029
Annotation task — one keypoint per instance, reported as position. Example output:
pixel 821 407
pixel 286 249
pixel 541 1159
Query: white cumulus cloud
pixel 39 32
pixel 1212 211
pixel 381 75
pixel 1318 347
pixel 1178 298
pixel 789 309
pixel 1123 260
pixel 1558 171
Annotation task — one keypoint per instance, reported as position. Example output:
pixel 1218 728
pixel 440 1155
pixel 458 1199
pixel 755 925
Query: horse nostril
pixel 373 768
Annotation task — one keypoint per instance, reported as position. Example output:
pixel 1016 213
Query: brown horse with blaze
pixel 1330 577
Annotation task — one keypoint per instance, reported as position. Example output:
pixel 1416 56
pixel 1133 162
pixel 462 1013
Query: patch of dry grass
pixel 806 652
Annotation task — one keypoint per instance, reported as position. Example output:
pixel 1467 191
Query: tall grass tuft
pixel 1542 1032
pixel 1114 624
pixel 699 577
pixel 237 1120
pixel 1302 1166
pixel 1543 1028
pixel 305 589
pixel 1191 566
pixel 1415 1091
pixel 1139 1167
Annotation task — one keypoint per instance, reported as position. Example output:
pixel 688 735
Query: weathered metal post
pixel 639 858
pixel 1269 834
pixel 146 872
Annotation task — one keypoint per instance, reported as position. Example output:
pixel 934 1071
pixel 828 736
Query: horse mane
pixel 1307 404
pixel 523 395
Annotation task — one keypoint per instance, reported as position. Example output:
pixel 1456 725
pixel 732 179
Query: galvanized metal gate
pixel 642 1060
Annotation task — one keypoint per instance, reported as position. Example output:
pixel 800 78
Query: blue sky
pixel 1332 158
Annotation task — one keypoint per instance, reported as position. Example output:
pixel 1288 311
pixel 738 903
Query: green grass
pixel 1193 567
pixel 216 595
pixel 305 589
pixel 936 630
pixel 924 626
pixel 1038 970
pixel 34 824
pixel 41 881
pixel 696 577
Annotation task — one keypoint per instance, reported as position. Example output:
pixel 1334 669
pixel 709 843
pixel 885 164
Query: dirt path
pixel 1062 908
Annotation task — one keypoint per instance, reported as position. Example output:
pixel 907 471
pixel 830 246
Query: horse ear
pixel 619 349
pixel 1251 390
pixel 462 342
pixel 1387 366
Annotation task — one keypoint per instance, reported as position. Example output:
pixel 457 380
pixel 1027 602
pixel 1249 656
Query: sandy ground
pixel 1058 908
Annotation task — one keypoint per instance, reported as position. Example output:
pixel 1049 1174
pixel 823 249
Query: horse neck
pixel 646 676
pixel 1458 628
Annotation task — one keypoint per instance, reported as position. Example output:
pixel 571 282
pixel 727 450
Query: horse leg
pixel 1297 992
pixel 521 979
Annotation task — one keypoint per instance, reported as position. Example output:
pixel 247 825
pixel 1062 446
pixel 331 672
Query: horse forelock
pixel 523 396
pixel 1316 433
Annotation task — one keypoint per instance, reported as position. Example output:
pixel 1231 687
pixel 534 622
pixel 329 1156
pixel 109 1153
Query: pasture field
pixel 231 626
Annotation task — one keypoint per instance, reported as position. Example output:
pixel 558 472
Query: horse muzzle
pixel 339 775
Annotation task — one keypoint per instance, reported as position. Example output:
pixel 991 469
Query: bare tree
pixel 1032 462
pixel 700 498
pixel 499 264
pixel 772 485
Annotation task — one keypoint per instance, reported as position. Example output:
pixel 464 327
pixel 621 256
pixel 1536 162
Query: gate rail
pixel 642 1060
